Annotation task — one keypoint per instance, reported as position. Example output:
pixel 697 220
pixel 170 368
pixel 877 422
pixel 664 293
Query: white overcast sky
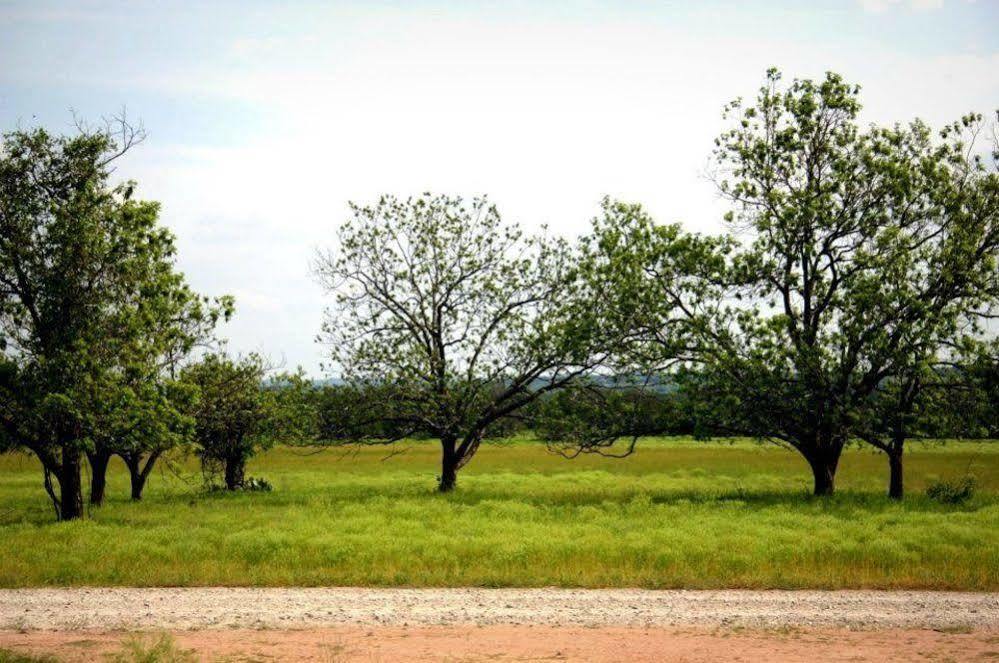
pixel 265 118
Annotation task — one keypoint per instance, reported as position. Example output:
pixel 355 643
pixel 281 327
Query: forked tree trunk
pixel 70 485
pixel 138 474
pixel 896 489
pixel 449 466
pixel 99 460
pixel 235 467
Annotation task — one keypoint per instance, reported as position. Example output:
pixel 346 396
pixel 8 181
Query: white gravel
pixel 217 607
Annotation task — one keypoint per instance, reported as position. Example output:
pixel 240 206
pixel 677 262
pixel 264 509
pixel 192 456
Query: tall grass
pixel 676 514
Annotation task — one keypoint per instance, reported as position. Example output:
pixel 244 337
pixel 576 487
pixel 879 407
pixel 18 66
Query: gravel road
pixel 215 607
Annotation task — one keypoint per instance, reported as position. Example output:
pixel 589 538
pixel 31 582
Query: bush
pixel 952 491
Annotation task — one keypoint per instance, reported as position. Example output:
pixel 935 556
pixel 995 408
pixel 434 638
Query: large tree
pixel 456 318
pixel 86 276
pixel 857 253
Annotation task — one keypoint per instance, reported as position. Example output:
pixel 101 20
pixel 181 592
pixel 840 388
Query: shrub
pixel 952 491
pixel 160 649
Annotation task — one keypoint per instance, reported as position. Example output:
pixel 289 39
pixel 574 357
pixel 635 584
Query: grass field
pixel 676 514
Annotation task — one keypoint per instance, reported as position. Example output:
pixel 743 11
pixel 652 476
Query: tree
pixel 858 253
pixel 157 418
pixel 146 413
pixel 237 415
pixel 944 282
pixel 87 276
pixel 459 319
pixel 980 403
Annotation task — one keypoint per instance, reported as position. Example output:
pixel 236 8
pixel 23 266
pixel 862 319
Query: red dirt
pixel 527 643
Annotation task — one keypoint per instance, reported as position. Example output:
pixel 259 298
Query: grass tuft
pixel 152 649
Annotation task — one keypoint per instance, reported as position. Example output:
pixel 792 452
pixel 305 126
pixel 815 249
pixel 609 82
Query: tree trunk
pixel 234 470
pixel 138 484
pixel 823 462
pixel 895 486
pixel 99 460
pixel 137 473
pixel 449 466
pixel 70 486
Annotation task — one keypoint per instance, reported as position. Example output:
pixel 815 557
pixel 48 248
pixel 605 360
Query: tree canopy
pixel 459 319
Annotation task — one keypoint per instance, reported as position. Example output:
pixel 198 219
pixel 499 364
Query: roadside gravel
pixel 219 607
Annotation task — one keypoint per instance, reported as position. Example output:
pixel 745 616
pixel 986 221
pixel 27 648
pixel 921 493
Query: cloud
pixel 545 116
pixel 879 6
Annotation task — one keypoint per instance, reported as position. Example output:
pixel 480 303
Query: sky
pixel 264 118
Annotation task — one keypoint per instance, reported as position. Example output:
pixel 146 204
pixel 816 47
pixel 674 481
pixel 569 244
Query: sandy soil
pixel 213 607
pixel 539 643
pixel 344 624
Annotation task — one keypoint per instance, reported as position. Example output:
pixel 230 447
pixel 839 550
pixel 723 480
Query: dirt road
pixel 212 607
pixel 422 625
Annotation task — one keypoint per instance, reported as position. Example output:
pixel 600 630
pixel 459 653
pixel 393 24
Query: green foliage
pixel 952 491
pixel 591 417
pixel 232 414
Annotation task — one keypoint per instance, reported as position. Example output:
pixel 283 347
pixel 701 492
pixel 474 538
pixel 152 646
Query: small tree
pixel 146 414
pixel 460 320
pixel 231 414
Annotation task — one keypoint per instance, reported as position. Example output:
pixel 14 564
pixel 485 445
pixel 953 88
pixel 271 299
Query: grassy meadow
pixel 676 514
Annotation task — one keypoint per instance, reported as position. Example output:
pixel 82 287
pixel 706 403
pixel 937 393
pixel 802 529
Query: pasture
pixel 676 514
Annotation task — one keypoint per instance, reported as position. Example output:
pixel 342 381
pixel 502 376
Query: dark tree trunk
pixel 70 485
pixel 823 462
pixel 137 472
pixel 138 483
pixel 235 466
pixel 449 466
pixel 99 460
pixel 896 489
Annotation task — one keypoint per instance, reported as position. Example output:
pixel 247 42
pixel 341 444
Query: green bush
pixel 952 491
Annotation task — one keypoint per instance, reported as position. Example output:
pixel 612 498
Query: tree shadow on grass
pixel 847 500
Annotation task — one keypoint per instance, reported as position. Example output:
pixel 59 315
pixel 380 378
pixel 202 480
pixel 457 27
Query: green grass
pixel 11 656
pixel 676 514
